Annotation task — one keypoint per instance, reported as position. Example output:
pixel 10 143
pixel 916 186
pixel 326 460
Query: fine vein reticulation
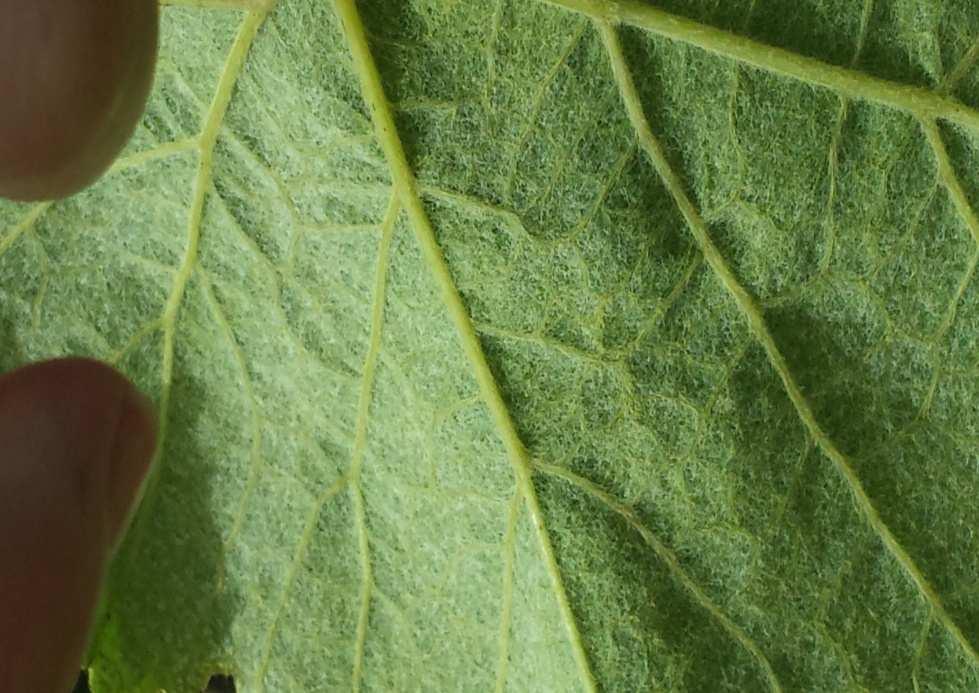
pixel 401 172
pixel 915 100
pixel 205 144
pixel 761 332
pixel 928 106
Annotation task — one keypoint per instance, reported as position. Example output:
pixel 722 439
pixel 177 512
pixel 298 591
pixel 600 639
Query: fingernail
pixel 131 456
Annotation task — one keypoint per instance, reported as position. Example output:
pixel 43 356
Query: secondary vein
pixel 247 31
pixel 387 134
pixel 842 80
pixel 759 329
pixel 506 602
pixel 666 555
pixel 23 226
pixel 360 434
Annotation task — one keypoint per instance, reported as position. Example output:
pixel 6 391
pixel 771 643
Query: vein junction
pixel 759 329
pixel 927 106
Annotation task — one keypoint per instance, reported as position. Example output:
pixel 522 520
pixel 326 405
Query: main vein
pixel 759 329
pixel 846 81
pixel 374 96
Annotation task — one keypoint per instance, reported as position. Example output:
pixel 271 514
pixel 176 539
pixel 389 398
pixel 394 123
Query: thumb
pixel 75 443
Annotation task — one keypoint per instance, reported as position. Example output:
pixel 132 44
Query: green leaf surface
pixel 538 346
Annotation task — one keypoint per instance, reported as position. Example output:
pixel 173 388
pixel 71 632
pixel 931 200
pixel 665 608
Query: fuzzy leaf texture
pixel 530 345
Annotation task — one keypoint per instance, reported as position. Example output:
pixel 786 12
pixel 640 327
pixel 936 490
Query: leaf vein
pixel 759 329
pixel 360 434
pixel 246 5
pixel 537 102
pixel 962 68
pixel 23 226
pixel 666 555
pixel 843 80
pixel 162 151
pixel 950 179
pixel 305 538
pixel 256 460
pixel 247 31
pixel 508 550
pixel 373 94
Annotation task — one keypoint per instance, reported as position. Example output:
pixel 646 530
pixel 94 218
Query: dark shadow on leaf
pixel 11 351
pixel 642 629
pixel 169 607
pixel 822 565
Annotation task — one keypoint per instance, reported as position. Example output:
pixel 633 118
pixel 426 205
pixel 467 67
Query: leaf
pixel 566 345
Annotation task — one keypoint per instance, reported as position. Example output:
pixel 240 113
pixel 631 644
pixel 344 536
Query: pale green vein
pixel 474 205
pixel 228 136
pixel 489 50
pixel 255 463
pixel 947 173
pixel 842 80
pixel 544 342
pixel 212 123
pixel 508 550
pixel 919 653
pixel 352 477
pixel 23 226
pixel 373 93
pixel 301 546
pixel 366 586
pixel 360 431
pixel 613 177
pixel 647 325
pixel 339 369
pixel 666 555
pixel 163 151
pixel 41 294
pixel 962 68
pixel 759 329
pixel 868 10
pixel 832 165
pixel 441 415
pixel 537 102
pixel 950 179
pixel 834 149
pixel 135 340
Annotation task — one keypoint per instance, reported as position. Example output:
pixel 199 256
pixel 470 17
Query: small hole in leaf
pixel 81 685
pixel 221 683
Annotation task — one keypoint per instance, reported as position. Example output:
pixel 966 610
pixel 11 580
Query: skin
pixel 76 441
pixel 74 79
pixel 76 438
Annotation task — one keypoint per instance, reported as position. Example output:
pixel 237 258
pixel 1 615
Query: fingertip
pixel 135 444
pixel 76 78
pixel 84 414
pixel 76 440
